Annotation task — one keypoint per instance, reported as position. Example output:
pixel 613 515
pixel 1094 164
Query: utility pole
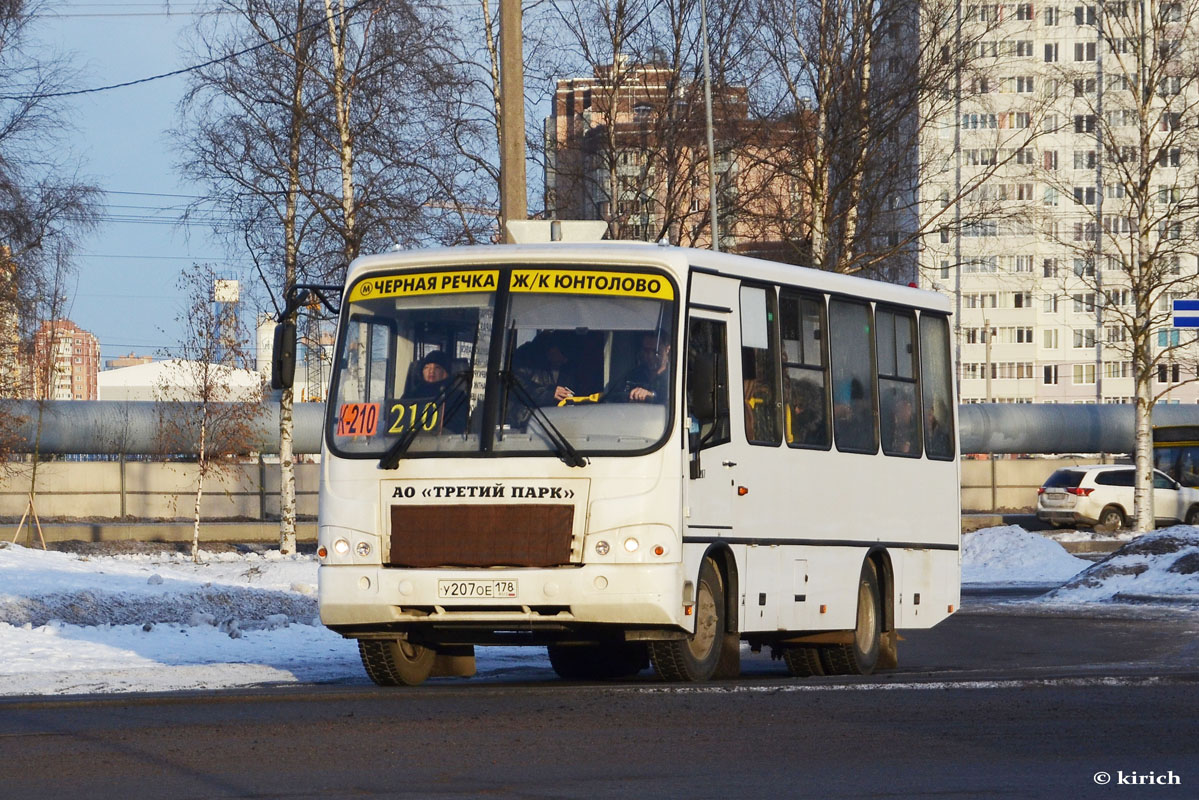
pixel 513 204
pixel 713 198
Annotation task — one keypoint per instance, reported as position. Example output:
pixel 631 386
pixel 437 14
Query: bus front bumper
pixel 357 599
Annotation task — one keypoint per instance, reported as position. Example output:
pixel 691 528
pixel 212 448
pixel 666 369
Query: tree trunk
pixel 1143 455
pixel 287 478
pixel 287 472
pixel 202 465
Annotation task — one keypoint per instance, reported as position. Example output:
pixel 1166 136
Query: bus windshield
pixel 574 359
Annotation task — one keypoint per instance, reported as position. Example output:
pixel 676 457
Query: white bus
pixel 635 454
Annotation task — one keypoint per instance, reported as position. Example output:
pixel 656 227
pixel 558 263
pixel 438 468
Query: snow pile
pixel 72 624
pixel 1155 567
pixel 38 587
pixel 1012 555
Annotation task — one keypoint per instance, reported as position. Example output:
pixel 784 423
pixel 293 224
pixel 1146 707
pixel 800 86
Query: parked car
pixel 1101 494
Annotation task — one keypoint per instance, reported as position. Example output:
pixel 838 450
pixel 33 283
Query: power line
pixel 183 71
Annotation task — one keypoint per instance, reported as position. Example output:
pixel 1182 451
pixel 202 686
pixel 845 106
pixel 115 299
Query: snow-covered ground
pixel 75 623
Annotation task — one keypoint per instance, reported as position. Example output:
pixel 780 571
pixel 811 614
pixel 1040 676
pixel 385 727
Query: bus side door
pixel 710 487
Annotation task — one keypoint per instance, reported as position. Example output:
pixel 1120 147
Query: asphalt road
pixel 989 704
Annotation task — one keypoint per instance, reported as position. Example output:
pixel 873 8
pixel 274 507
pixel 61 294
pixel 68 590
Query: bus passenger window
pixel 936 380
pixel 708 381
pixel 758 374
pixel 805 363
pixel 855 425
pixel 899 424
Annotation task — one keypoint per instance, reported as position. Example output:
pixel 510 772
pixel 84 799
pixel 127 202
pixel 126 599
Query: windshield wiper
pixel 562 446
pixel 391 459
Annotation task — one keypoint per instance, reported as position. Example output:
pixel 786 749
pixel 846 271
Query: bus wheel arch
pixel 863 654
pixel 729 666
pixel 700 655
pixel 889 638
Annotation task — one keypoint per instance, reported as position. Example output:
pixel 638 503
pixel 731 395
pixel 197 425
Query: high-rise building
pixel 1066 175
pixel 66 361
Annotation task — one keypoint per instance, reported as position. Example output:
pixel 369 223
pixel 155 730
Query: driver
pixel 450 414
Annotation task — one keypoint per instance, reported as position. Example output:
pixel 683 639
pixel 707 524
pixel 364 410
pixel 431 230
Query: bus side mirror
pixel 283 356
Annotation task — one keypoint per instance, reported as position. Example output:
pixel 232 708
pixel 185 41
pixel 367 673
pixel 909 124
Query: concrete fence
pixel 113 490
pixel 71 490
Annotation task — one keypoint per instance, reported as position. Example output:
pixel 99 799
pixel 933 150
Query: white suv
pixel 1101 494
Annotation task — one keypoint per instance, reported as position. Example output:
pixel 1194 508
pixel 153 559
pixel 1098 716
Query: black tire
pixel 1111 517
pixel 861 656
pixel 697 657
pixel 1192 517
pixel 603 662
pixel 803 660
pixel 396 662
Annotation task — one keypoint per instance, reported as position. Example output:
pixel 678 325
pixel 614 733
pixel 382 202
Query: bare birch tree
pixel 45 207
pixel 874 88
pixel 1129 227
pixel 203 408
pixel 243 136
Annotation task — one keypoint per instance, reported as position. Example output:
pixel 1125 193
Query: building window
pixel 1084 338
pixel 1050 374
pixel 1049 338
pixel 1168 373
pixel 1051 50
pixel 1084 374
pixel 1052 17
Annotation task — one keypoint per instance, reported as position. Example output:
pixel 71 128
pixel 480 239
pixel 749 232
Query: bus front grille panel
pixel 481 535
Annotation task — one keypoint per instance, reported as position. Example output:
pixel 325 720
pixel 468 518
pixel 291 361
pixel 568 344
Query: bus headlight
pixel 631 545
pixel 602 548
pixel 341 547
pixel 363 549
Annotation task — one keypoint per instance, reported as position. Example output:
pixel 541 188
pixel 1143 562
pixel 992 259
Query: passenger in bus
pixel 807 409
pixel 648 381
pixel 450 415
pixel 938 428
pixel 902 438
pixel 545 370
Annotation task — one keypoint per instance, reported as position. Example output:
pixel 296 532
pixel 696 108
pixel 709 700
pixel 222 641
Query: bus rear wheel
pixel 600 662
pixel 696 657
pixel 803 660
pixel 861 656
pixel 396 662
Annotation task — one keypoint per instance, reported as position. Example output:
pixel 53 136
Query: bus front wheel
pixel 696 657
pixel 396 662
pixel 861 656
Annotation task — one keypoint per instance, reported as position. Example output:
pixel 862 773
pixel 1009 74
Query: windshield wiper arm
pixel 562 446
pixel 391 459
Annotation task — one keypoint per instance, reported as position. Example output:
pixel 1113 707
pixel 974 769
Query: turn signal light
pixel 322 552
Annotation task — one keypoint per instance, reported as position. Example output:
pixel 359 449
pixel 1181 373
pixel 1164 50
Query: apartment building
pixel 70 359
pixel 1055 159
pixel 628 145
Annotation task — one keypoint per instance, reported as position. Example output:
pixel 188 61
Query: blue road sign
pixel 1186 313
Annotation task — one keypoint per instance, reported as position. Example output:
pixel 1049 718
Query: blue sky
pixel 126 292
